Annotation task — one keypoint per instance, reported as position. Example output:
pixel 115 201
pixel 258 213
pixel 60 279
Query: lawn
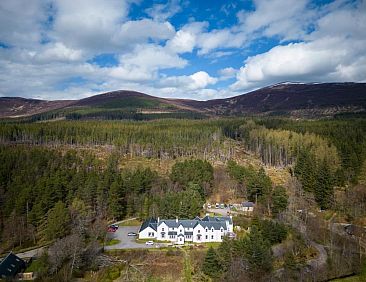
pixel 133 222
pixel 112 242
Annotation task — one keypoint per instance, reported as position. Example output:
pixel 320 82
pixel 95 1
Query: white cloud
pixel 133 32
pixel 59 52
pixel 162 12
pixel 88 23
pixel 227 73
pixel 329 54
pixel 21 21
pixel 143 63
pixel 198 80
pixel 285 18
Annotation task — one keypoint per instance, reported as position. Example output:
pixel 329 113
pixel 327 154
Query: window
pixel 206 236
pixel 162 235
pixel 199 231
pixel 162 229
pixel 211 236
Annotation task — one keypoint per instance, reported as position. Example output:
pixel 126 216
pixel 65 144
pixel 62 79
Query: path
pixel 129 242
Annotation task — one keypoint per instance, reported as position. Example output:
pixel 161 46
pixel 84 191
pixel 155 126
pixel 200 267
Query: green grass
pixel 112 242
pixel 355 278
pixel 134 222
pixel 187 267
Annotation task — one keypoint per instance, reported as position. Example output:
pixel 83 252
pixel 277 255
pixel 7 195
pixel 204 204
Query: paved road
pixel 128 242
pixel 223 212
pixel 32 253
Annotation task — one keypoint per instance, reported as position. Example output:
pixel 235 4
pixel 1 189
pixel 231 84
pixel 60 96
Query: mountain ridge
pixel 286 97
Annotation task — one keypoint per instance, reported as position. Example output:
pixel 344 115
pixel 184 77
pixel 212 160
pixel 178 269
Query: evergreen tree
pixel 324 190
pixel 58 220
pixel 211 265
pixel 279 199
pixel 258 252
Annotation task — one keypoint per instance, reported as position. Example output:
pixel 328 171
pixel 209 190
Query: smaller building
pixel 11 265
pixel 247 207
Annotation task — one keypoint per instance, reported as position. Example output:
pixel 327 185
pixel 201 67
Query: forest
pixel 55 180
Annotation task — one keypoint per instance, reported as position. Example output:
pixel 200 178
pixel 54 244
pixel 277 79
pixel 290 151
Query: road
pixel 32 253
pixel 128 242
pixel 223 212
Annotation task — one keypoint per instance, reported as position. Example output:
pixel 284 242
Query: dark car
pixel 131 234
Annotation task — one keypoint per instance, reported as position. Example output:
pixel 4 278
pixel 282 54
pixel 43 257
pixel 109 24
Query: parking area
pixel 128 242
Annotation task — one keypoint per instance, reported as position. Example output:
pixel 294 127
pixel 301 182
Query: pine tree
pixel 211 265
pixel 58 220
pixel 258 252
pixel 279 199
pixel 324 190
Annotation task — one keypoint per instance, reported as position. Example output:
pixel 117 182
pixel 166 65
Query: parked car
pixel 149 243
pixel 131 234
pixel 208 206
pixel 111 229
pixel 114 226
pixel 217 205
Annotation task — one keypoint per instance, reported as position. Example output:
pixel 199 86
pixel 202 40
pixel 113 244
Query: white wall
pixel 144 234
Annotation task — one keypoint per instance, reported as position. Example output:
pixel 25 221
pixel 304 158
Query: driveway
pixel 128 242
pixel 223 212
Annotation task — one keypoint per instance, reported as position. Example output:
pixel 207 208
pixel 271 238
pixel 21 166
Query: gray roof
pixel 172 233
pixel 216 225
pixel 218 219
pixel 151 222
pixel 248 204
pixel 188 233
pixel 186 223
pixel 208 221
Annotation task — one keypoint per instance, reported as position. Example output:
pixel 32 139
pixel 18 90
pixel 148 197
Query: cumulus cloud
pixel 198 80
pixel 162 12
pixel 47 48
pixel 329 54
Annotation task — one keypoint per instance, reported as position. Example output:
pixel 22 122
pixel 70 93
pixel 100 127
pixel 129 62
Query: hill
pixel 295 99
pixel 292 98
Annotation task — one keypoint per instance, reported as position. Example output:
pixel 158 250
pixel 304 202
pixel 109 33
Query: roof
pixel 11 265
pixel 213 224
pixel 172 232
pixel 181 235
pixel 218 219
pixel 248 204
pixel 188 233
pixel 151 222
pixel 186 223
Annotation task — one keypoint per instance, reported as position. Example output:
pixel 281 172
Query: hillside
pixel 20 107
pixel 296 99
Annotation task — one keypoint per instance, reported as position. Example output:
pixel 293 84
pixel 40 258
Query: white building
pixel 207 229
pixel 248 207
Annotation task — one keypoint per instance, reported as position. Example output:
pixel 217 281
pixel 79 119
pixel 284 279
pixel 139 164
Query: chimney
pixel 158 219
pixel 176 219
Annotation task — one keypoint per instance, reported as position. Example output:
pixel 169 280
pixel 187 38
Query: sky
pixel 198 49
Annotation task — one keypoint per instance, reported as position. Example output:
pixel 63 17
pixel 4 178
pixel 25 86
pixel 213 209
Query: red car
pixel 111 229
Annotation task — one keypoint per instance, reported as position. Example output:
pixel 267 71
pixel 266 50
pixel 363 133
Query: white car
pixel 149 243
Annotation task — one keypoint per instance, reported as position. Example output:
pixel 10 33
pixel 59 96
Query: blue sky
pixel 69 49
